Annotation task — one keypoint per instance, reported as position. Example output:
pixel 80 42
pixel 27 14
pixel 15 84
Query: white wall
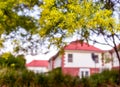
pixel 82 59
pixel 57 62
pixel 38 69
pixel 50 65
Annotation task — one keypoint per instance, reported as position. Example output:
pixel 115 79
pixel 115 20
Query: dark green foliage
pixel 9 78
pixel 11 61
pixel 85 82
pixel 42 80
pixel 101 79
pixel 70 81
pixel 27 78
pixel 13 78
pixel 57 79
pixel 23 78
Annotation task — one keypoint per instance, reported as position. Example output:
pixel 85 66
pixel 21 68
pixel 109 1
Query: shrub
pixel 101 79
pixel 8 77
pixel 23 78
pixel 27 78
pixel 42 80
pixel 11 61
pixel 85 82
pixel 58 79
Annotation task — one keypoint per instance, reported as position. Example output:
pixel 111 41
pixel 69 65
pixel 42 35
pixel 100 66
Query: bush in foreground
pixel 104 79
pixel 24 78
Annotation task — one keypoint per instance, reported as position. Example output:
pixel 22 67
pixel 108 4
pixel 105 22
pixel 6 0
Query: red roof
pixel 77 45
pixel 38 63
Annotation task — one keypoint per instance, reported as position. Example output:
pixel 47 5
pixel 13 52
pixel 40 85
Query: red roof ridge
pixel 78 45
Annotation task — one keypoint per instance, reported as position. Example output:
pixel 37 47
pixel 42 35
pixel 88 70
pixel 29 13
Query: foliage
pixel 15 14
pixel 101 79
pixel 57 79
pixel 25 78
pixel 43 80
pixel 9 60
pixel 19 78
pixel 8 78
pixel 61 19
pixel 10 17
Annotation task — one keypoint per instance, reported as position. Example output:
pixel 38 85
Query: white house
pixel 79 59
pixel 38 66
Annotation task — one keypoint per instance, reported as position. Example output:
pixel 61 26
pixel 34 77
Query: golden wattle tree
pixel 60 19
pixel 10 17
pixel 14 15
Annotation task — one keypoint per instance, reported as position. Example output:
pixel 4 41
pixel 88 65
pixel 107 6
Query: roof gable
pixel 54 57
pixel 38 63
pixel 77 45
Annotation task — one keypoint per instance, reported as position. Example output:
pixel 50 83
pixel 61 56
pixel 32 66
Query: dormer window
pixel 70 58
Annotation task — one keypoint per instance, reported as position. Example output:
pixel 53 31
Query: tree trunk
pixel 118 57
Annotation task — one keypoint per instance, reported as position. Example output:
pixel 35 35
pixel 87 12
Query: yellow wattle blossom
pixel 12 65
pixel 6 55
pixel 118 27
pixel 48 3
pixel 1 13
pixel 74 15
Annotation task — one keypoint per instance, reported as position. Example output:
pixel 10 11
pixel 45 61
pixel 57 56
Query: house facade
pixel 38 66
pixel 79 59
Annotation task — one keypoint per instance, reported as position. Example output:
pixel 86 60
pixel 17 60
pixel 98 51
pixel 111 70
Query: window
pixel 86 73
pixel 70 58
pixel 95 58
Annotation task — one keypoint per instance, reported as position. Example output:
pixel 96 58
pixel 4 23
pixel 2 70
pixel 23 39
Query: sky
pixel 40 56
